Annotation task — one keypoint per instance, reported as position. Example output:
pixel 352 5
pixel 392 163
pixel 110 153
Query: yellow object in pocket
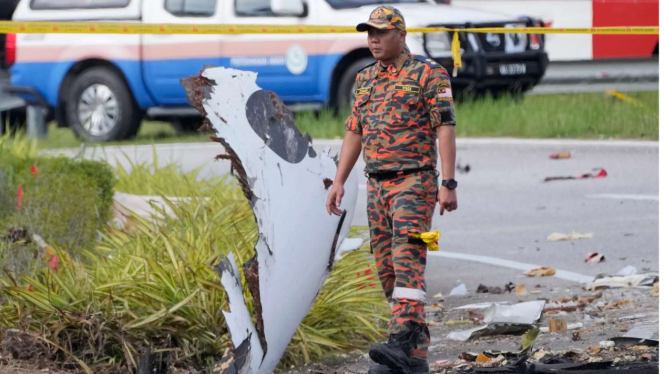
pixel 430 238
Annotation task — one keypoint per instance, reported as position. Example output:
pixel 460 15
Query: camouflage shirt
pixel 397 109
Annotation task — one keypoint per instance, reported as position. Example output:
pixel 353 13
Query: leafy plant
pixel 154 285
pixel 143 178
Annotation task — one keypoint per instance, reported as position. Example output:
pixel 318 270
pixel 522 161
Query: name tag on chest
pixel 404 88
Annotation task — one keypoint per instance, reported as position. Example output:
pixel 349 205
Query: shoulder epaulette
pixel 366 66
pixel 427 61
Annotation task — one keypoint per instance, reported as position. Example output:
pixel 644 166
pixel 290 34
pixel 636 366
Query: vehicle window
pixel 340 4
pixel 191 8
pixel 253 8
pixel 77 4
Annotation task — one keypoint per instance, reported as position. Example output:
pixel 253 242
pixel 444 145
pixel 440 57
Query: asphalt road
pixel 506 211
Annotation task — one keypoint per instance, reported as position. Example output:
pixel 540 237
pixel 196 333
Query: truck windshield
pixel 339 4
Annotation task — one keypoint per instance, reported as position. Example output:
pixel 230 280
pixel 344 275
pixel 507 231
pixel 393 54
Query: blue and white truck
pixel 103 86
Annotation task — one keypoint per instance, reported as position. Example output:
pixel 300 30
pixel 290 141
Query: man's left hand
pixel 447 200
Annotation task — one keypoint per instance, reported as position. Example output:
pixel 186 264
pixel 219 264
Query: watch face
pixel 451 184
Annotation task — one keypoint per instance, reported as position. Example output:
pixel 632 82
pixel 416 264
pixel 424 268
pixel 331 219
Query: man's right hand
pixel 335 199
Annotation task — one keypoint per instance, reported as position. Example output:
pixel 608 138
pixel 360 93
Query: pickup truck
pixel 103 86
pixel 8 118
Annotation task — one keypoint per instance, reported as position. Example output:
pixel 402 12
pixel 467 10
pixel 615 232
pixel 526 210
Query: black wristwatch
pixel 450 184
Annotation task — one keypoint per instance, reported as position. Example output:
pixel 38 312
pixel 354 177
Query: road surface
pixel 506 211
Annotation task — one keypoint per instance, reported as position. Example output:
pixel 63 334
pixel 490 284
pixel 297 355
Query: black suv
pixel 493 63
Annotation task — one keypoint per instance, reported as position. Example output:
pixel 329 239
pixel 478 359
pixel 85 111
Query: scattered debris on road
pixel 560 155
pixel 543 271
pixel 492 290
pixel 646 280
pixel 520 290
pixel 557 237
pixel 459 290
pixel 557 325
pixel 595 173
pixel 594 258
pixel 628 270
pixel 462 169
pixel 504 319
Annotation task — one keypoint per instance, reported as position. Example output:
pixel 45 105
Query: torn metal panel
pixel 287 184
pixel 642 334
pixel 242 329
pixel 645 280
pixel 504 319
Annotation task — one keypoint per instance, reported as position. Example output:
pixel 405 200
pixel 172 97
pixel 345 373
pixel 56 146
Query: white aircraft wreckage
pixel 286 183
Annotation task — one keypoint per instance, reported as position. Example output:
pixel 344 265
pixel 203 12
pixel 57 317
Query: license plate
pixel 512 69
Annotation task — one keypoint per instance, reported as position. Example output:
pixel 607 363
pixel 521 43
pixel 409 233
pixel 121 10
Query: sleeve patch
pixel 443 91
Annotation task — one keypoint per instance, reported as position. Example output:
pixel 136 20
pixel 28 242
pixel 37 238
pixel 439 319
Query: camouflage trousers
pixel 396 207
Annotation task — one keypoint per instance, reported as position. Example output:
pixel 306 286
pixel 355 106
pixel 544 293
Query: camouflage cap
pixel 384 17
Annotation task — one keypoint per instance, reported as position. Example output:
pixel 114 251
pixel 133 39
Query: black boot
pixel 419 366
pixel 396 353
pixel 375 368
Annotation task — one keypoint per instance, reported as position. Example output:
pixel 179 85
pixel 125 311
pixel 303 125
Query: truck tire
pixel 345 91
pixel 100 107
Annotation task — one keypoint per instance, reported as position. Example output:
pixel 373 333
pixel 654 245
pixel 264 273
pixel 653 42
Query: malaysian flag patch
pixel 443 91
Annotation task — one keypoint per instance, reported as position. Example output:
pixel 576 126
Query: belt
pixel 384 175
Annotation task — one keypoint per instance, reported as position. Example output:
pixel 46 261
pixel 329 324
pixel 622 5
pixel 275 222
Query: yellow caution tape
pixel 430 238
pixel 550 30
pixel 14 27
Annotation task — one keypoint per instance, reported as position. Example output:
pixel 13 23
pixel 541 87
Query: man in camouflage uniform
pixel 403 105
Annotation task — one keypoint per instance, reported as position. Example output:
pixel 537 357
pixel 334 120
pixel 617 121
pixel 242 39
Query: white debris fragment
pixel 645 280
pixel 287 184
pixel 503 319
pixel 632 317
pixel 571 326
pixel 556 237
pixel 479 305
pixel 522 313
pixel 606 344
pixel 628 270
pixel 459 290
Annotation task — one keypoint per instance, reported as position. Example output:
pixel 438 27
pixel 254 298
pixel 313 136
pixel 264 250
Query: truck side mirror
pixel 287 7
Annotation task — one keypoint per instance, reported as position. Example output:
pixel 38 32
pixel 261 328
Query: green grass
pixel 582 116
pixel 151 132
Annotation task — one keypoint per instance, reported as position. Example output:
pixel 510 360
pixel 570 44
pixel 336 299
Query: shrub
pixel 66 202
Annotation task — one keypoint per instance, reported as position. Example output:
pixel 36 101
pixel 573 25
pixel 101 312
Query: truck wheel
pixel 100 107
pixel 345 93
